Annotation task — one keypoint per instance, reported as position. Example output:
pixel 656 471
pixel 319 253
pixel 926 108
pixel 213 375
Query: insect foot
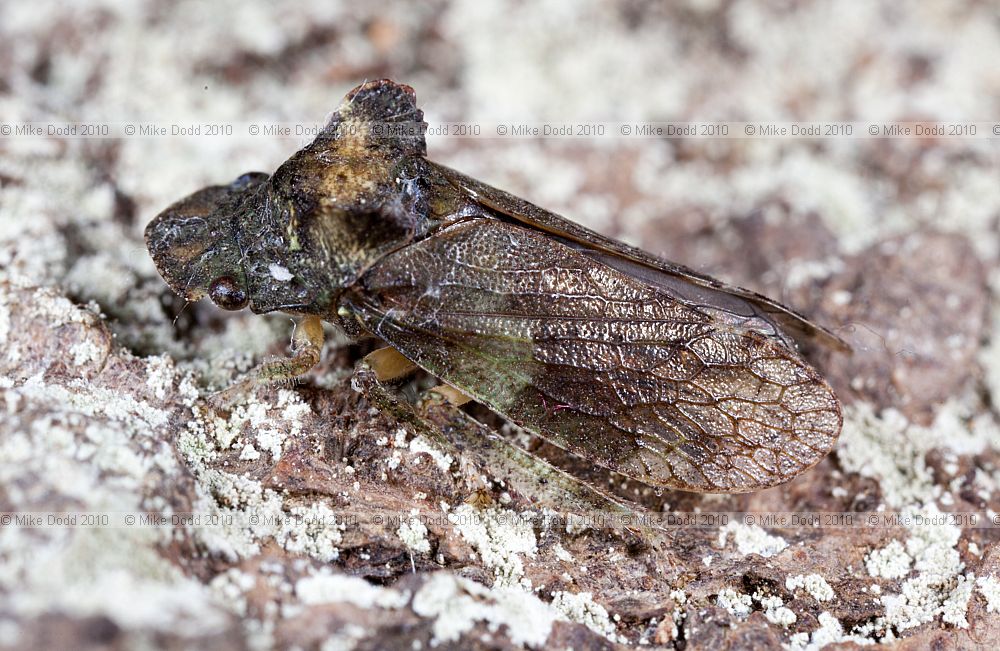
pixel 307 346
pixel 223 402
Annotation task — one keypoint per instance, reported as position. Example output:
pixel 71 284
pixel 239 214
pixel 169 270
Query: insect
pixel 637 364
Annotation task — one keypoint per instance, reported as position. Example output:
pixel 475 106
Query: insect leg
pixel 381 396
pixel 307 345
pixel 478 448
pixel 388 364
pixel 454 397
pixel 533 477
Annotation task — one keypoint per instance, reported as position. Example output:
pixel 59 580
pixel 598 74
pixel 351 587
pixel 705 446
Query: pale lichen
pixel 830 631
pixel 325 586
pixel 580 607
pixel 775 610
pixel 989 587
pixel 413 533
pixel 751 539
pixel 814 584
pixel 420 445
pixel 889 562
pixel 313 530
pixel 501 537
pixel 738 604
pixel 456 604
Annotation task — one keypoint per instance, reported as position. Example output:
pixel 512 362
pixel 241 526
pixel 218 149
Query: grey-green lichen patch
pixel 814 584
pixel 751 539
pixel 69 444
pixel 581 607
pixel 253 512
pixel 413 533
pixel 501 537
pixel 456 604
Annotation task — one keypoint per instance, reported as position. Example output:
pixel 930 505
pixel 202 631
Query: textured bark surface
pixel 336 526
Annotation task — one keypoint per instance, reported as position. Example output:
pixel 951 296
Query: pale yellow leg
pixel 388 364
pixel 451 394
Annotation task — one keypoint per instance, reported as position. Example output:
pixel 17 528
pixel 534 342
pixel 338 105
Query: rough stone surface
pixel 333 526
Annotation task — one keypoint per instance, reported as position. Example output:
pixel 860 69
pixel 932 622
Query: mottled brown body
pixel 640 365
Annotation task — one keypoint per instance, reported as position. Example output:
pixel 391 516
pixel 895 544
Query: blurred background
pixel 236 62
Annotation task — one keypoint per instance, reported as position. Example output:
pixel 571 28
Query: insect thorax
pixel 322 220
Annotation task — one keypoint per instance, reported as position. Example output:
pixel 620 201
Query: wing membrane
pixel 682 282
pixel 598 362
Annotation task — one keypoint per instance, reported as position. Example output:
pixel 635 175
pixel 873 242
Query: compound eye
pixel 227 293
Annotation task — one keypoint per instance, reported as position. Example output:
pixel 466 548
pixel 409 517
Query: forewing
pixel 598 362
pixel 685 284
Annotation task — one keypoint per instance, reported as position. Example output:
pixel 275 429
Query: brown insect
pixel 638 364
